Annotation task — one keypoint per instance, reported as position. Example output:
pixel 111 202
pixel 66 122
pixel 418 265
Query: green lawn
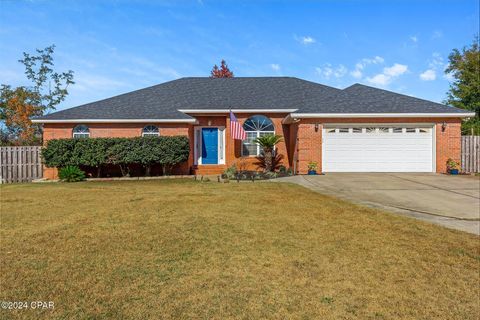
pixel 177 249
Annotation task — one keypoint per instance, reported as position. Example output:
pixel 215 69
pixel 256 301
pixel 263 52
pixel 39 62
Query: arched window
pixel 81 131
pixel 150 131
pixel 255 126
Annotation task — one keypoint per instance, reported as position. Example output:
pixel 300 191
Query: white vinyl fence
pixel 470 158
pixel 20 164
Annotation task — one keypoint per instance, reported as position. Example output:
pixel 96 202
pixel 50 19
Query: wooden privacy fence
pixel 470 154
pixel 20 164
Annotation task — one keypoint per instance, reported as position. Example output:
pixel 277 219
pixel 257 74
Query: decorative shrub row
pixel 97 152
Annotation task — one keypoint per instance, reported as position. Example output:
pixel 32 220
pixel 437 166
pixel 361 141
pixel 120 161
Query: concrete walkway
pixel 450 201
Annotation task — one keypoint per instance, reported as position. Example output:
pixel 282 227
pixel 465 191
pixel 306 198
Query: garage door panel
pixel 378 152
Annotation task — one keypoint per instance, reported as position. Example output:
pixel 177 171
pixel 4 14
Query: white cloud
pixel 380 79
pixel 388 75
pixel 437 61
pixel 428 75
pixel 437 34
pixel 435 64
pixel 375 60
pixel 356 73
pixel 306 40
pixel 328 71
pixel 85 82
pixel 340 71
pixel 359 66
pixel 449 77
pixel 395 70
pixel 325 72
pixel 414 38
pixel 275 67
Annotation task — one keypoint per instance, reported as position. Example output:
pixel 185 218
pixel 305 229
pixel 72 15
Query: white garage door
pixel 377 148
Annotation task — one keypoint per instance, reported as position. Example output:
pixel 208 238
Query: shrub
pixel 452 164
pixel 96 152
pixel 267 143
pixel 120 153
pixel 275 161
pixel 58 153
pixel 231 172
pixel 71 174
pixel 312 166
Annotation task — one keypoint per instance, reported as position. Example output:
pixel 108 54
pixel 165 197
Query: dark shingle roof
pixel 360 98
pixel 164 100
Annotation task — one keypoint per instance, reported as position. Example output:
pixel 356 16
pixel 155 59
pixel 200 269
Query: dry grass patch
pixel 182 249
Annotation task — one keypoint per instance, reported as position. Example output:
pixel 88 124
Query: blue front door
pixel 209 145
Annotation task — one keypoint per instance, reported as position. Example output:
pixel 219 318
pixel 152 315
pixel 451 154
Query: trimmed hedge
pixel 98 152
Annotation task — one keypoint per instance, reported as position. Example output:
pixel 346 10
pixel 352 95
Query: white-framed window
pixel 81 131
pixel 256 126
pixel 150 131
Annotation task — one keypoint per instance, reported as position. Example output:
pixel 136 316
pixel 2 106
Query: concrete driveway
pixel 451 201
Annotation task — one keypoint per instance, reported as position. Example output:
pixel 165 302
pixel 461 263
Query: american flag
pixel 236 129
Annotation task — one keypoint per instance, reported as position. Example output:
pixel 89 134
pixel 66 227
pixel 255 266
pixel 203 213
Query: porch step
pixel 204 170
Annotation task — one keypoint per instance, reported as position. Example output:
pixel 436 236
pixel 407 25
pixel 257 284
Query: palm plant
pixel 267 143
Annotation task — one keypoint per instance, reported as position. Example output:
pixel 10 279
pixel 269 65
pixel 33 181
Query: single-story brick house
pixel 357 129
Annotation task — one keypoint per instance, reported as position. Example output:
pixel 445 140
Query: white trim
pixel 382 115
pixel 197 145
pixel 237 110
pixel 259 151
pixel 115 121
pixel 377 124
pixel 80 135
pixel 149 134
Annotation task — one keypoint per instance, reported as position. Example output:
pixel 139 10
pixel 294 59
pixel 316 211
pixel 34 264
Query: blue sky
pixel 119 46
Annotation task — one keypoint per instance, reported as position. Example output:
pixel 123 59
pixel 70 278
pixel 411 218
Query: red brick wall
pixel 301 143
pixel 309 141
pixel 234 150
pixel 448 143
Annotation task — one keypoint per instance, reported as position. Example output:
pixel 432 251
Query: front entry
pixel 209 145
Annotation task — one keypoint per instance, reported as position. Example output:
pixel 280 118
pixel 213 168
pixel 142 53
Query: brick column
pixel 309 146
pixel 448 143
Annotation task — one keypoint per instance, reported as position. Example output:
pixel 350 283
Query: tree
pixel 48 88
pixel 267 143
pixel 222 72
pixel 17 107
pixel 464 91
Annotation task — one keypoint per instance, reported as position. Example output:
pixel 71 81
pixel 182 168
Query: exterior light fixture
pixel 316 127
pixel 444 126
pixel 209 123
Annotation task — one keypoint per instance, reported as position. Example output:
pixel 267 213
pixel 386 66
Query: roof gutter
pixel 114 121
pixel 382 115
pixel 237 110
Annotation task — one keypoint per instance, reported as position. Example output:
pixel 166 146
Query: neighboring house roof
pixel 166 101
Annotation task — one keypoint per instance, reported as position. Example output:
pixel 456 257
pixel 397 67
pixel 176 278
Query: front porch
pixel 214 150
